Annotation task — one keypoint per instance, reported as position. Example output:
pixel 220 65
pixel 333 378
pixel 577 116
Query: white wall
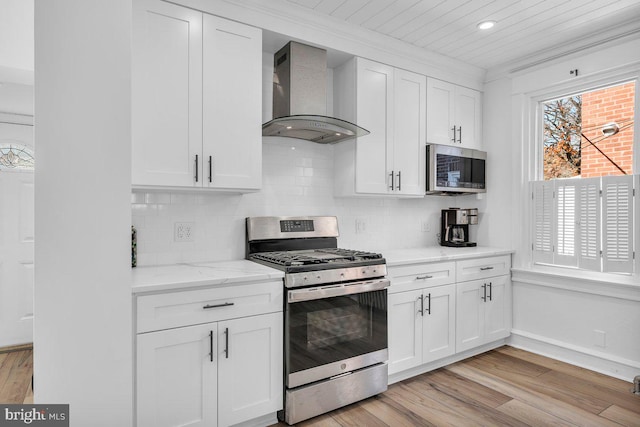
pixel 83 329
pixel 590 320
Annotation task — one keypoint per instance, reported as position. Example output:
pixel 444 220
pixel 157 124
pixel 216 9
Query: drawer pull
pixel 226 304
pixel 486 268
pixel 425 277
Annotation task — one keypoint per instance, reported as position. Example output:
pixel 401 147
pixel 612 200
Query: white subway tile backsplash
pixel 296 181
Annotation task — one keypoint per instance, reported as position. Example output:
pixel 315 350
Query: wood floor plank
pixel 621 416
pixel 394 414
pixel 356 416
pixel 580 400
pixel 455 384
pixel 5 373
pixel 426 408
pixel 530 415
pixel 470 409
pixel 559 366
pixel 507 363
pixel 565 411
pixel 582 387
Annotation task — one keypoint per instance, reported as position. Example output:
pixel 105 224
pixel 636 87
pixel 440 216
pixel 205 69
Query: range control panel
pixel 296 225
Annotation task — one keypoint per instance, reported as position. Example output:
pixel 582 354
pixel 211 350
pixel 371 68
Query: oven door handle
pixel 335 290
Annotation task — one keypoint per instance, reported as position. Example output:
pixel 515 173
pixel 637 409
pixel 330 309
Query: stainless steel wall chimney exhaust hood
pixel 300 98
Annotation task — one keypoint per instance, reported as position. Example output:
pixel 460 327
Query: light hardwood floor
pixel 16 368
pixel 504 387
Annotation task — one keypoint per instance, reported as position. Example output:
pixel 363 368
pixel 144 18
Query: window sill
pixel 612 285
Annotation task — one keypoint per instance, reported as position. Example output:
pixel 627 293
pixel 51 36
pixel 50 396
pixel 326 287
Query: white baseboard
pixel 607 364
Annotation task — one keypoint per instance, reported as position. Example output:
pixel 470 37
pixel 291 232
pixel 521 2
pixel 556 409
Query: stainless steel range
pixel 335 325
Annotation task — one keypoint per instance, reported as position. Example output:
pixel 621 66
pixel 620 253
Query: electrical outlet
pixel 426 226
pixel 183 232
pixel 599 338
pixel 361 226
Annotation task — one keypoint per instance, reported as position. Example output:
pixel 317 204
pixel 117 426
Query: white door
pixel 409 140
pixel 250 370
pixel 166 94
pixel 374 112
pixel 232 104
pixel 469 315
pixel 440 112
pixel 439 323
pixel 16 242
pixel 176 377
pixel 405 330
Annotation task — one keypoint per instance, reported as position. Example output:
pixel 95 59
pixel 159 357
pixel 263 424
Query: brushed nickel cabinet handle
pixel 425 277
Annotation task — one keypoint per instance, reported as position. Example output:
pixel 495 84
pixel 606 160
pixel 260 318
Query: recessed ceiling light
pixel 485 25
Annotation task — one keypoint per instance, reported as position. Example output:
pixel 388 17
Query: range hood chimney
pixel 300 98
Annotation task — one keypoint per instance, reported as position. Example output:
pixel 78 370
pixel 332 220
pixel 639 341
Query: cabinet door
pixel 176 378
pixel 166 94
pixel 232 104
pixel 440 112
pixel 439 323
pixel 498 308
pixel 405 331
pixel 374 112
pixel 469 315
pixel 468 117
pixel 409 138
pixel 250 373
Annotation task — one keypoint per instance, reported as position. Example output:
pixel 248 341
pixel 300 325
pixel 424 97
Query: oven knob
pixel 343 366
pixel 341 274
pixel 318 277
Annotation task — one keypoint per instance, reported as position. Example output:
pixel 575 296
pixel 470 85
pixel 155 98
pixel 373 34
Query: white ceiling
pixel 525 30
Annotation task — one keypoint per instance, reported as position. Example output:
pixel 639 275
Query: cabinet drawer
pixel 480 268
pixel 174 309
pixel 418 276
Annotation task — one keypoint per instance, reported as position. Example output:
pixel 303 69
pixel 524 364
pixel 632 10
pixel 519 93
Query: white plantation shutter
pixel 566 223
pixel 543 219
pixel 588 216
pixel 617 227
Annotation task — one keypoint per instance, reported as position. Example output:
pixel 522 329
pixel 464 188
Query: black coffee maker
pixel 454 226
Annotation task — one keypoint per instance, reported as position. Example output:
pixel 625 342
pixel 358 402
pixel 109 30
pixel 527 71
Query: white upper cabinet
pixel 197 102
pixel 454 115
pixel 390 103
pixel 232 104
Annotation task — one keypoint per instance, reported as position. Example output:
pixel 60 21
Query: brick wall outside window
pixel 613 104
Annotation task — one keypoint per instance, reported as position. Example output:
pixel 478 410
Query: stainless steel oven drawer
pixel 309 401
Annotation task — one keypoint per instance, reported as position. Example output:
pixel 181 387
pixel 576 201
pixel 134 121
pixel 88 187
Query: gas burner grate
pixel 318 256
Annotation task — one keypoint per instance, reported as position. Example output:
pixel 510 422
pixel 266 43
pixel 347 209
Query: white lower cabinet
pixel 436 311
pixel 421 326
pixel 222 368
pixel 484 311
pixel 220 373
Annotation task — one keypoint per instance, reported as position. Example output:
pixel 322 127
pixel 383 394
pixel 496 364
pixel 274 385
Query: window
pixel 584 208
pixel 15 156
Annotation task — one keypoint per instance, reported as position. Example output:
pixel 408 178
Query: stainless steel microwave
pixel 455 170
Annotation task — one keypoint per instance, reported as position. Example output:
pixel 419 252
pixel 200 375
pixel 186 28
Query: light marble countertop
pixel 201 274
pixel 206 274
pixel 397 257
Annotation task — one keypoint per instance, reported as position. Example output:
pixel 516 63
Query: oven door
pixel 334 329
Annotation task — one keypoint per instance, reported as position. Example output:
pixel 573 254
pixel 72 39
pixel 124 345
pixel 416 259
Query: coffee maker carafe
pixel 454 226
